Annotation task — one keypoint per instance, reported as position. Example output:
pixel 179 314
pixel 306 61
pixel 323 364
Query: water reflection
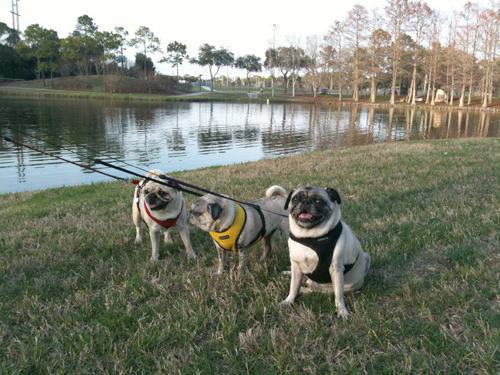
pixel 183 135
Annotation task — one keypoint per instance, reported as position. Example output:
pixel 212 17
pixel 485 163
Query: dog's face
pixel 208 211
pixel 310 206
pixel 157 195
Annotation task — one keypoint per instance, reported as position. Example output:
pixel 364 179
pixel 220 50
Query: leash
pixel 8 139
pixel 179 182
pixel 173 182
pixel 76 144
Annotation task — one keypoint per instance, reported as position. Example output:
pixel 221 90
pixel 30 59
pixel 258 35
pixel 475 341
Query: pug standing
pixel 161 207
pixel 323 247
pixel 235 227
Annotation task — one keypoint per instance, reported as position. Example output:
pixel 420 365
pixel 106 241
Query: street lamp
pixel 200 82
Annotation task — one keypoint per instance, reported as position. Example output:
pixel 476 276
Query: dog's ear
pixel 288 199
pixel 215 210
pixel 333 194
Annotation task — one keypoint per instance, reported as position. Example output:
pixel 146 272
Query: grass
pixel 223 93
pixel 76 296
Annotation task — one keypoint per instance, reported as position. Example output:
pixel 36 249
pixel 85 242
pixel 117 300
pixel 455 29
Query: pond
pixel 175 136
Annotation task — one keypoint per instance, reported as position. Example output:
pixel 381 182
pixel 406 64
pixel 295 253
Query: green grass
pixel 76 295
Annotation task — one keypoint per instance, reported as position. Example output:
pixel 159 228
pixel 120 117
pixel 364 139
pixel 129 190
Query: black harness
pixel 324 248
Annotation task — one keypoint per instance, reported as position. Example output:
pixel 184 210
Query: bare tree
pixel 452 53
pixel 315 67
pixel 335 38
pixel 420 16
pixel 396 12
pixel 295 59
pixel 356 24
pixel 378 42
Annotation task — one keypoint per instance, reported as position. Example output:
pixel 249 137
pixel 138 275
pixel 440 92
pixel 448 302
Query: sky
pixel 245 28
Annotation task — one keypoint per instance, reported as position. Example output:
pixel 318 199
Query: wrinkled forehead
pixel 157 181
pixel 309 191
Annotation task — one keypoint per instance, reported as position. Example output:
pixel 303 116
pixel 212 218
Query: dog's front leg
pixel 337 275
pixel 243 255
pixel 295 283
pixel 136 216
pixel 184 232
pixel 222 259
pixel 155 243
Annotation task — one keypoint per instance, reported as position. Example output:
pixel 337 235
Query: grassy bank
pixel 229 94
pixel 76 295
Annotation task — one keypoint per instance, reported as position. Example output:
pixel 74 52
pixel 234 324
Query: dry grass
pixel 76 296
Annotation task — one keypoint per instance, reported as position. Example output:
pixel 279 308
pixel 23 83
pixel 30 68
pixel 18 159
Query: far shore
pixel 228 94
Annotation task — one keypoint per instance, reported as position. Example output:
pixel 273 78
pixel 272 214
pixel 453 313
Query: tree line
pixel 406 46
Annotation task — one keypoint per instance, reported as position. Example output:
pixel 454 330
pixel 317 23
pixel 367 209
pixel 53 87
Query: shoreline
pixel 265 98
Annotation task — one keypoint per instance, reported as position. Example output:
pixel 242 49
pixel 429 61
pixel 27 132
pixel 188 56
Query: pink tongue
pixel 305 216
pixel 152 205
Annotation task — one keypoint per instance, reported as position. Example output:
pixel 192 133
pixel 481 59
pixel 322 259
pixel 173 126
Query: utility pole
pixel 275 27
pixel 15 14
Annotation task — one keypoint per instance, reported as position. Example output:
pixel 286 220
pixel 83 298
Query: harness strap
pixel 228 239
pixel 324 247
pixel 169 223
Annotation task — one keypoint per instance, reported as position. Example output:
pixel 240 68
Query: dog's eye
pixel 319 201
pixel 146 191
pixel 164 194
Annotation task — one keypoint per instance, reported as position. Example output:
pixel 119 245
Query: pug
pixel 160 207
pixel 236 227
pixel 323 247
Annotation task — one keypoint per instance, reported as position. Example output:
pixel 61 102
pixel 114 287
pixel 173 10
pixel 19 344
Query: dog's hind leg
pixel 368 263
pixel 243 255
pixel 266 241
pixel 167 238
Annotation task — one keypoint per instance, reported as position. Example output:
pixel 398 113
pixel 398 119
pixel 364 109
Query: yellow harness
pixel 228 239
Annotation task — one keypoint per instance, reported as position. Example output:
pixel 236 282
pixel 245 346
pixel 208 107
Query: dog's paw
pixel 286 302
pixel 168 239
pixel 154 258
pixel 343 313
pixel 305 290
pixel 138 241
pixel 217 273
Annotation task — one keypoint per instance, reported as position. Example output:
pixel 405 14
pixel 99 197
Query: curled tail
pixel 276 190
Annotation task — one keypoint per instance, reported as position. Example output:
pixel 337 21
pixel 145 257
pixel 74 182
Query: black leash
pixel 76 144
pixel 173 182
pixel 8 139
pixel 135 182
pixel 179 182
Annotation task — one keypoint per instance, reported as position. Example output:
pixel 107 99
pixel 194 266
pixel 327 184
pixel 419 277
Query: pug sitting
pixel 323 247
pixel 236 227
pixel 161 207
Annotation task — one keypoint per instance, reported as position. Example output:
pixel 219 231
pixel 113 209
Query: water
pixel 183 136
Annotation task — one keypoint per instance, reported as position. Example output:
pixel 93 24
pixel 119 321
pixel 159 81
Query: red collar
pixel 165 223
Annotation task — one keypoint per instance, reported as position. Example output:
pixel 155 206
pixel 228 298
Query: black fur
pixel 215 210
pixel 288 199
pixel 333 194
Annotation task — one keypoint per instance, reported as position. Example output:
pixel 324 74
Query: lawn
pixel 77 296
